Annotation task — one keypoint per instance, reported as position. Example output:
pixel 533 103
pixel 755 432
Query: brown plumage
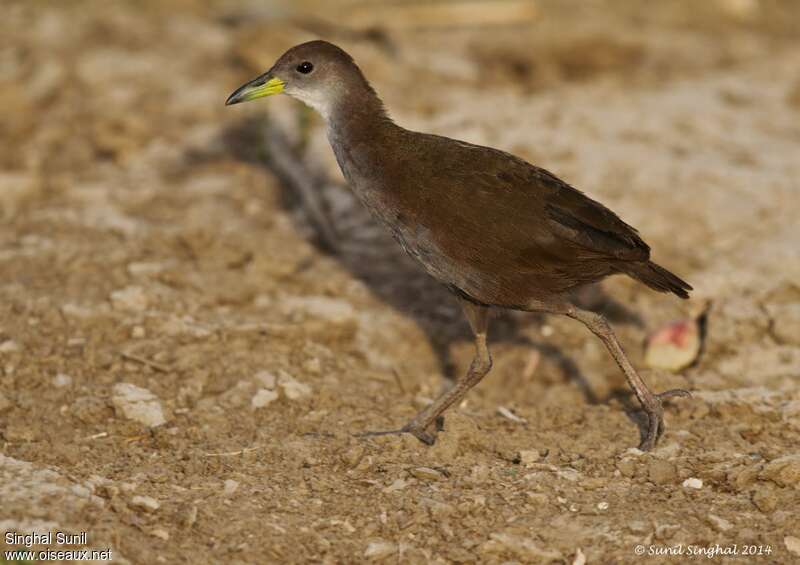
pixel 493 228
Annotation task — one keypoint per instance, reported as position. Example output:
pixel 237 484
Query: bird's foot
pixel 426 437
pixel 655 417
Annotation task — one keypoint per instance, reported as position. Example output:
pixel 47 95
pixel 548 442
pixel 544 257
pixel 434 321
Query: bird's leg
pixel 420 426
pixel 651 403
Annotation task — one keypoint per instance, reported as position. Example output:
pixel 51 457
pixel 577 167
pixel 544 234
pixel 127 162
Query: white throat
pixel 316 100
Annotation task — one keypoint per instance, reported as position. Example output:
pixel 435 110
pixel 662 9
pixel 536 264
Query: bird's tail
pixel 657 278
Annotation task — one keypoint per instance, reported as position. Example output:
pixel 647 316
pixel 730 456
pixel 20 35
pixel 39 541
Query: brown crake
pixel 496 230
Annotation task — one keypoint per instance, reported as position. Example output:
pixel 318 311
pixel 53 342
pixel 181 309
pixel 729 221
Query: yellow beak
pixel 265 85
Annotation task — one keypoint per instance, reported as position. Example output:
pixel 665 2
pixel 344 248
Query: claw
pixel 421 435
pixel 655 417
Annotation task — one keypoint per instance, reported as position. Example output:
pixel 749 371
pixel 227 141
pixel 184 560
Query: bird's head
pixel 317 73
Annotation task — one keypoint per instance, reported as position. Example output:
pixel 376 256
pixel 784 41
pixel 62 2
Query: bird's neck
pixel 354 110
pixel 363 137
pixel 359 115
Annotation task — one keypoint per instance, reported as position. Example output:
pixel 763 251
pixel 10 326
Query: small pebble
pixel 719 524
pixel 693 482
pixel 160 533
pixel 380 549
pixel 139 404
pixel 398 484
pixel 765 499
pixel 508 414
pixel 146 503
pixel 426 473
pixel 784 471
pixel 9 346
pixel 230 487
pixel 61 380
pixel 292 388
pixel 529 457
pixel 263 397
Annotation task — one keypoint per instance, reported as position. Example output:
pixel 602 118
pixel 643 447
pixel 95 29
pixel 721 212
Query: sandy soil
pixel 143 242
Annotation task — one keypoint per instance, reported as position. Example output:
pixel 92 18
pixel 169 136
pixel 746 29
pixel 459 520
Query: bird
pixel 497 231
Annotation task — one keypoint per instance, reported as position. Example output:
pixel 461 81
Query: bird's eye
pixel 305 67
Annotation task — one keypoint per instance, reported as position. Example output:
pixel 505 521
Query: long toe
pixel 674 393
pixel 655 424
pixel 425 437
pixel 655 417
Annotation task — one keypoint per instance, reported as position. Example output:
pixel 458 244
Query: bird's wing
pixel 585 222
pixel 570 216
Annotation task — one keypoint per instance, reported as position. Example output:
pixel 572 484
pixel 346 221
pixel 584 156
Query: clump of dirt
pixel 182 365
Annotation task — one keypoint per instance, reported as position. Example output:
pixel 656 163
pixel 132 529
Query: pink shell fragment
pixel 673 347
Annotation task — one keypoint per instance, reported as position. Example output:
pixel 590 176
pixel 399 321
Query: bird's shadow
pixel 366 250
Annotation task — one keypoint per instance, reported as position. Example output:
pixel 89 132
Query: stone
pixel 661 472
pixel 529 457
pixel 693 482
pixel 784 471
pixel 229 487
pixel 263 397
pixel 740 479
pixel 292 388
pixel 426 473
pixel 138 404
pixel 61 380
pixel 266 379
pixel 146 503
pixel 397 484
pixel 9 346
pixel 718 523
pixel 765 499
pixel 379 549
pixel 160 533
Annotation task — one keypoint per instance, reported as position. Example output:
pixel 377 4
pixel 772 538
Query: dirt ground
pixel 144 242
